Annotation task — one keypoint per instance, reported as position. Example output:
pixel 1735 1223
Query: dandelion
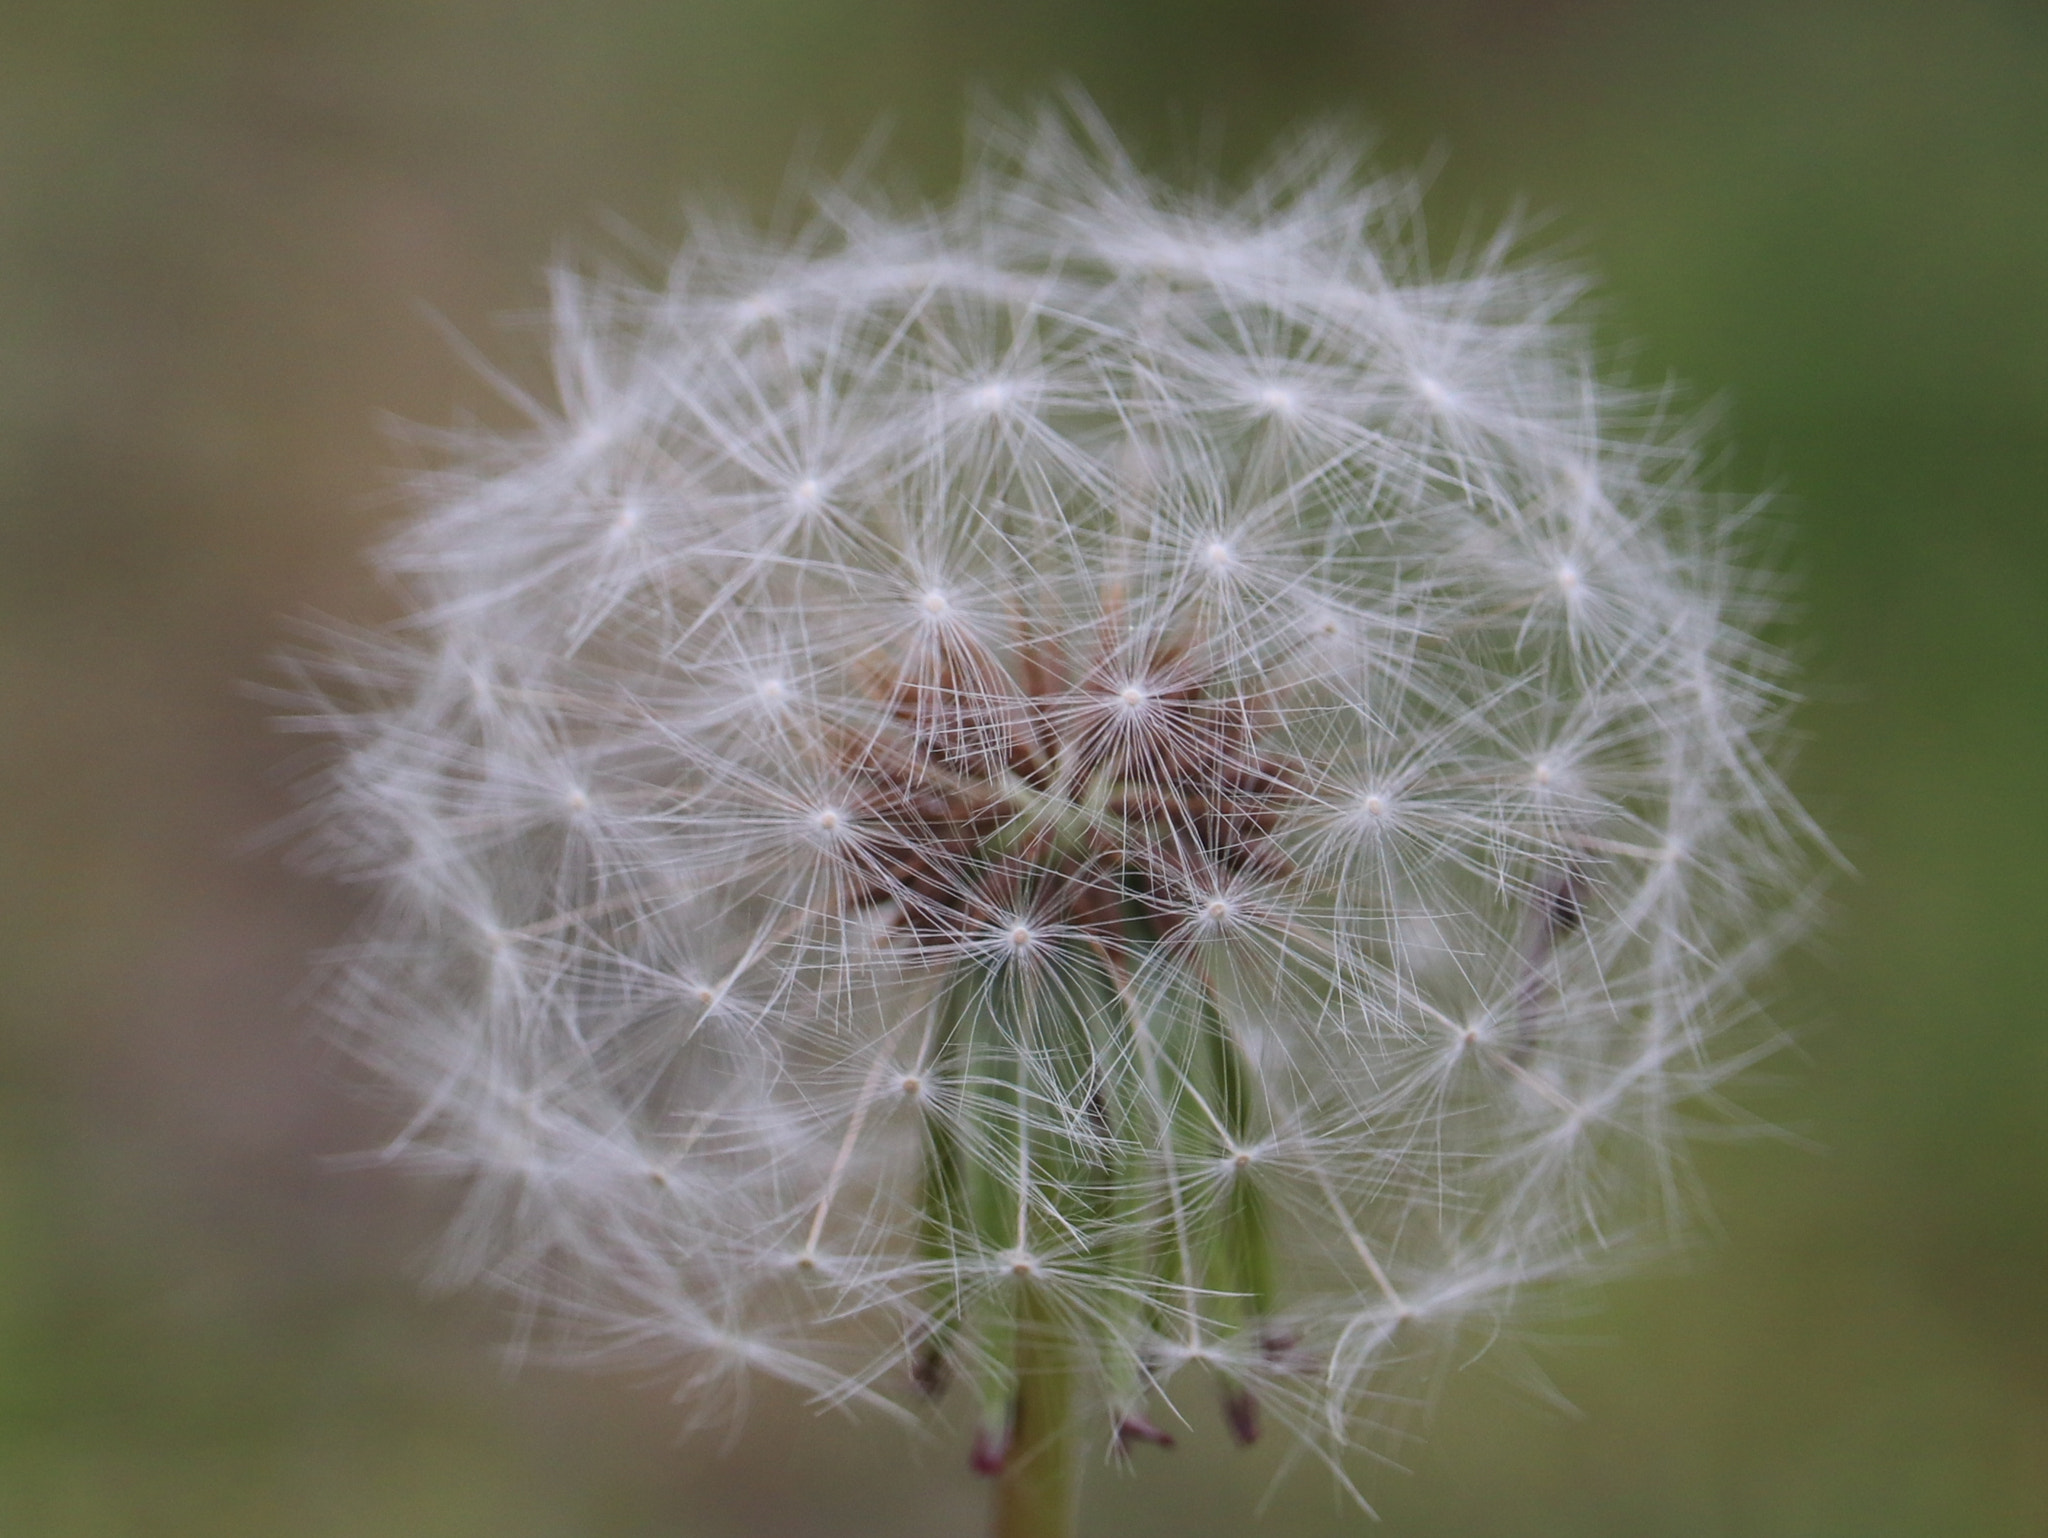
pixel 1061 798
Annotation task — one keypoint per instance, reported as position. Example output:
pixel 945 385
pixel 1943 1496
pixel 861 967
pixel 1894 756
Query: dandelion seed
pixel 1138 898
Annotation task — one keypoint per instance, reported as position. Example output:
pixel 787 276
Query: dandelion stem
pixel 1037 1491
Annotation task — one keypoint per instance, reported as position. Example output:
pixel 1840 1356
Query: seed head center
pixel 988 811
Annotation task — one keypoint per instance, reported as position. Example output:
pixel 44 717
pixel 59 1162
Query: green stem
pixel 1038 1489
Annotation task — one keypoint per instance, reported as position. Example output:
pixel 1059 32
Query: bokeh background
pixel 222 225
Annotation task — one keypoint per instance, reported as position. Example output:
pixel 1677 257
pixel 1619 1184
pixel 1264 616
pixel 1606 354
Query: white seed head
pixel 1233 1067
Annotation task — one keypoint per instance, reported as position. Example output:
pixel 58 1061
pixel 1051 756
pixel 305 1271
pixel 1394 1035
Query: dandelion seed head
pixel 921 795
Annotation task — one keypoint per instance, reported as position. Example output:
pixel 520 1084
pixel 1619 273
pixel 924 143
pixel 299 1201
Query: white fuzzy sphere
pixel 1141 751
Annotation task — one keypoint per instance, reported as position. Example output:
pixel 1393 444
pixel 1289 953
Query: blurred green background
pixel 220 224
